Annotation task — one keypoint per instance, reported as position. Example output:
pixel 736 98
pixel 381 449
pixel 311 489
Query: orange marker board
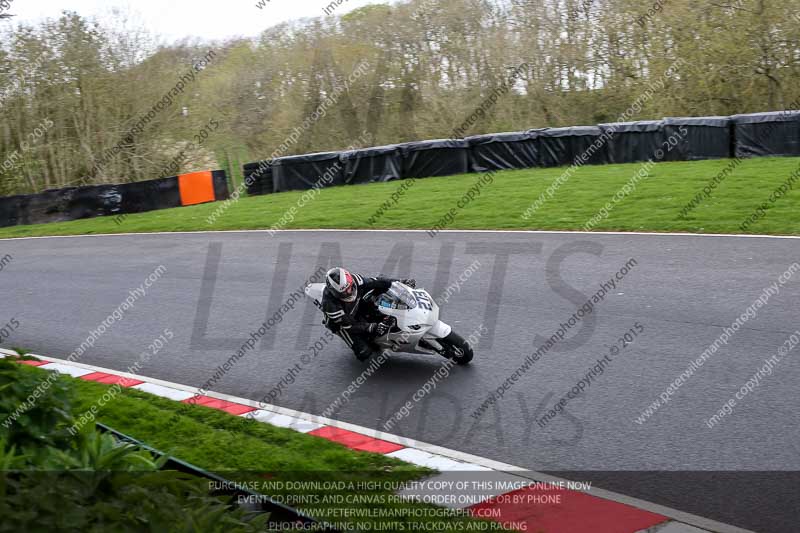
pixel 196 188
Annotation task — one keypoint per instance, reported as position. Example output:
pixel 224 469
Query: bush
pixel 34 409
pixel 53 481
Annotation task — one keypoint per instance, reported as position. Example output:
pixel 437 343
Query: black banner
pixel 74 203
pixel 670 139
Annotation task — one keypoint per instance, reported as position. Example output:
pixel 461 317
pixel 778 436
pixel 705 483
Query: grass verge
pixel 655 204
pixel 249 451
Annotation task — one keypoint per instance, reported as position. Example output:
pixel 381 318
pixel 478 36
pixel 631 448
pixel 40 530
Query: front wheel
pixel 456 348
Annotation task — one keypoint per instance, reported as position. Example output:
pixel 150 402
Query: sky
pixel 177 19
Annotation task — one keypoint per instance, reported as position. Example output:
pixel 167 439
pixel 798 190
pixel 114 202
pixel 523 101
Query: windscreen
pixel 398 297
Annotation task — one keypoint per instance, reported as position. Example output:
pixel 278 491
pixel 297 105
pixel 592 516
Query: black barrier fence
pixel 380 163
pixel 441 157
pixel 699 138
pixel 73 203
pixel 554 147
pixel 767 134
pixel 588 145
pixel 258 178
pixel 503 151
pixel 692 138
pixel 632 142
pixel 564 146
pixel 300 172
pixel 220 182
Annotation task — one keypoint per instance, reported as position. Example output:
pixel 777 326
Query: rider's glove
pixel 379 329
pixel 410 282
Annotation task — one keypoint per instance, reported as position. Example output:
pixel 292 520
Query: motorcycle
pixel 414 325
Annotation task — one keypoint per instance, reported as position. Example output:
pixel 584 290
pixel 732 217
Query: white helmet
pixel 341 283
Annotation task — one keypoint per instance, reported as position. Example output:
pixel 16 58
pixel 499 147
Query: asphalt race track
pixel 683 291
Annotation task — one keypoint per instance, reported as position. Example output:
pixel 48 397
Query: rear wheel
pixel 456 348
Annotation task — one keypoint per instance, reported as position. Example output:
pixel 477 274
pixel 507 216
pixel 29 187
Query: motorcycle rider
pixel 348 303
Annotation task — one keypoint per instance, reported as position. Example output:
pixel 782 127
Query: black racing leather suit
pixel 355 321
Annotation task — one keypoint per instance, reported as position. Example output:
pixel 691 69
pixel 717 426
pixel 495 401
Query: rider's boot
pixel 362 349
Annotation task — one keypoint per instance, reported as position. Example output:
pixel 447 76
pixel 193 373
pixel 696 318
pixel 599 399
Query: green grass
pixel 247 450
pixel 655 205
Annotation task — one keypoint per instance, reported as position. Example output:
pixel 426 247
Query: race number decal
pixel 423 300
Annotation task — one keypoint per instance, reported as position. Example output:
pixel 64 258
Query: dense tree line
pixel 83 85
